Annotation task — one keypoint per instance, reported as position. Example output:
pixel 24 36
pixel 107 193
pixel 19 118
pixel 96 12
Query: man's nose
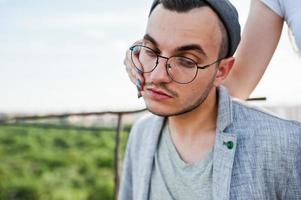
pixel 159 74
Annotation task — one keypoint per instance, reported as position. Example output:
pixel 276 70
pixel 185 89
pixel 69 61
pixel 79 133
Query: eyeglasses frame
pixel 167 58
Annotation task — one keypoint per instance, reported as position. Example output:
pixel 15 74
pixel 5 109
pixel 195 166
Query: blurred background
pixel 64 59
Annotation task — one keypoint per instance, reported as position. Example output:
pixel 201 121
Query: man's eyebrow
pixel 194 47
pixel 150 39
pixel 189 47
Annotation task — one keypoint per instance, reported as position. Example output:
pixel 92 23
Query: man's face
pixel 194 34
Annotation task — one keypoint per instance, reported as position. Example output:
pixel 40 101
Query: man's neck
pixel 200 120
pixel 193 133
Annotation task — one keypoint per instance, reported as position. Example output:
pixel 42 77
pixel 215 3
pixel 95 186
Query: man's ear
pixel 223 71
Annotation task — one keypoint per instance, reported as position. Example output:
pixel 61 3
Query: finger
pixel 139 94
pixel 128 52
pixel 133 62
pixel 129 66
pixel 130 69
pixel 134 57
pixel 135 75
pixel 140 77
pixel 134 67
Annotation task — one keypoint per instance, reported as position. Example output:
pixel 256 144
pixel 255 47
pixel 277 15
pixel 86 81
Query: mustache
pixel 160 86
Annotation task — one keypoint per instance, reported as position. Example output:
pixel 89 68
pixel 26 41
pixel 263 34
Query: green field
pixel 56 164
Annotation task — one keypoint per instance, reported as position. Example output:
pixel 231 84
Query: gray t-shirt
pixel 173 179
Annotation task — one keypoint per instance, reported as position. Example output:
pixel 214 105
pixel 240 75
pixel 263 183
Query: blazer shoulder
pixel 266 136
pixel 258 124
pixel 255 116
pixel 145 128
pixel 145 122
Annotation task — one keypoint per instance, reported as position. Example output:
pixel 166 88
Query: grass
pixel 56 164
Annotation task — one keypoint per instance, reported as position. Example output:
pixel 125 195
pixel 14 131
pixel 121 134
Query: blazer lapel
pixel 223 159
pixel 224 148
pixel 152 137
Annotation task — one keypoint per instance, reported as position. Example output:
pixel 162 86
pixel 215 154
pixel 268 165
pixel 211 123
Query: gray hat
pixel 228 15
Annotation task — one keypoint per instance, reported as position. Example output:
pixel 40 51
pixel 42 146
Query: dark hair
pixel 187 5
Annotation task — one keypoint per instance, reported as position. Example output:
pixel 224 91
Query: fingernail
pixel 138 70
pixel 136 50
pixel 138 85
pixel 139 95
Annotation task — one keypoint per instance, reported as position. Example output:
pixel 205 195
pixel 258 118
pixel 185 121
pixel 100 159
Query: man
pixel 201 144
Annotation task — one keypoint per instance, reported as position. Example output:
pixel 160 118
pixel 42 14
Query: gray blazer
pixel 256 155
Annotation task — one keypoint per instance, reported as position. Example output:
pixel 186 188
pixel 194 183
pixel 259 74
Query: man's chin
pixel 169 111
pixel 159 113
pixel 162 113
pixel 163 110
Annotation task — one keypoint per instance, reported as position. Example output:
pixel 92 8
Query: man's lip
pixel 161 92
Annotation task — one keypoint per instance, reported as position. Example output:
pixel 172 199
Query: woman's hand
pixel 135 75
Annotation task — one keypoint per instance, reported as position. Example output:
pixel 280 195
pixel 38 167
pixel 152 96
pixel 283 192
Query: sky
pixel 67 56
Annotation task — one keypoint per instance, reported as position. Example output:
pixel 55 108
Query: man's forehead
pixel 186 47
pixel 197 26
pixel 195 21
pixel 198 12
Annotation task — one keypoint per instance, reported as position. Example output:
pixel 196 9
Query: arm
pixel 259 40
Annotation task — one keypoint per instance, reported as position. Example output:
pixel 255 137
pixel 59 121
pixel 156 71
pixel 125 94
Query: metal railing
pixel 119 128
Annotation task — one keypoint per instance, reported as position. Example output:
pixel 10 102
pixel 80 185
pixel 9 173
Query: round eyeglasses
pixel 181 69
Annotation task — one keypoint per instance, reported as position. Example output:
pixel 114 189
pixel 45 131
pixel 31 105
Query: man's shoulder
pixel 146 119
pixel 265 136
pixel 255 124
pixel 255 116
pixel 146 122
pixel 145 127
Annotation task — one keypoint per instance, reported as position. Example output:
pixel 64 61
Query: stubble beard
pixel 190 107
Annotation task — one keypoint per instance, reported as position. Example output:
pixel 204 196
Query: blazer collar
pixel 151 140
pixel 224 148
pixel 224 114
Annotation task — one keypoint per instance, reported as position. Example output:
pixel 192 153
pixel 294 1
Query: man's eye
pixel 150 53
pixel 184 62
